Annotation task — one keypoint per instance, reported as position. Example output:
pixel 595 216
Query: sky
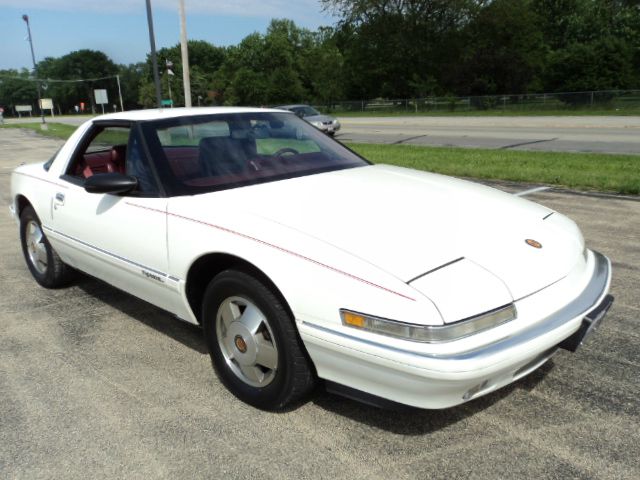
pixel 119 27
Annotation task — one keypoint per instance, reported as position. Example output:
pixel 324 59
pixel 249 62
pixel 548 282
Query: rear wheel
pixel 43 261
pixel 253 342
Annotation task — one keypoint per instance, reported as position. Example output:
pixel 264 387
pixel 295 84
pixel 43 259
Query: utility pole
pixel 120 93
pixel 169 65
pixel 35 71
pixel 185 56
pixel 154 58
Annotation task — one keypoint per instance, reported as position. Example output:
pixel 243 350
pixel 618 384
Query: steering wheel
pixel 286 150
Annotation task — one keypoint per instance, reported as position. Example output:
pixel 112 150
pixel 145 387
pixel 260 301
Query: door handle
pixel 59 199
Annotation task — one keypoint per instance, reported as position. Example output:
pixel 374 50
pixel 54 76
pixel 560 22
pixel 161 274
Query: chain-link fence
pixel 606 100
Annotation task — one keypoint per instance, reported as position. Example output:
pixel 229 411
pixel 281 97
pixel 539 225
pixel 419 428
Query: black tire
pixel 55 273
pixel 293 376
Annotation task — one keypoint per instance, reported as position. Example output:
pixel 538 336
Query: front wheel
pixel 43 261
pixel 253 342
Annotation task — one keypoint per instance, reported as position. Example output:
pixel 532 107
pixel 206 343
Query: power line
pixel 54 80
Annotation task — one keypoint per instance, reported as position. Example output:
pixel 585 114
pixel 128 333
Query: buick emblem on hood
pixel 533 243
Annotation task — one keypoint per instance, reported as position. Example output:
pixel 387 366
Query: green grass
pixel 54 130
pixel 269 146
pixel 584 171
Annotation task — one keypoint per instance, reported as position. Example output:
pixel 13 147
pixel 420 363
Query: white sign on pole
pixel 23 108
pixel 101 96
pixel 47 104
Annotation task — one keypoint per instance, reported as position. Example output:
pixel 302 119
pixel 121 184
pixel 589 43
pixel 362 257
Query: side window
pixel 137 165
pixel 181 145
pixel 106 153
pixel 190 135
pixel 114 150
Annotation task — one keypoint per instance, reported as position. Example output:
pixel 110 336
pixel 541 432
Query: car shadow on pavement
pixel 415 421
pixel 160 320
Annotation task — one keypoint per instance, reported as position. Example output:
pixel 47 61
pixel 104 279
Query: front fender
pixel 315 278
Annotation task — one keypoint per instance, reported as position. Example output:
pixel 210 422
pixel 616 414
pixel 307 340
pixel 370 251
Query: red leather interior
pixel 183 161
pixel 118 158
pixel 94 162
pixel 106 161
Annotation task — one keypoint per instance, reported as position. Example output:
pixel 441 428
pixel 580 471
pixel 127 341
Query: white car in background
pixel 325 123
pixel 304 262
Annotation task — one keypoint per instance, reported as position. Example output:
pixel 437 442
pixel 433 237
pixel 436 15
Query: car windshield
pixel 305 111
pixel 205 153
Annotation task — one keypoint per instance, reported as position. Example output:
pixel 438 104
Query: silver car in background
pixel 325 123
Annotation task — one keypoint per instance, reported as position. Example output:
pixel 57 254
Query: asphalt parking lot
pixel 97 384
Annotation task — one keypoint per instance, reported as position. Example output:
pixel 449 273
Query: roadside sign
pixel 22 109
pixel 166 103
pixel 101 96
pixel 47 104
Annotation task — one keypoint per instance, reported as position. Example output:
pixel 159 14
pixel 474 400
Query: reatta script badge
pixel 533 243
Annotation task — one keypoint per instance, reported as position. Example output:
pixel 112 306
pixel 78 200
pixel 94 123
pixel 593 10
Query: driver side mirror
pixel 110 183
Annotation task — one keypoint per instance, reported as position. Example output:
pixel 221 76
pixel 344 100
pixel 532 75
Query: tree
pixel 505 51
pixel 265 69
pixel 131 77
pixel 322 68
pixel 593 44
pixel 603 64
pixel 379 48
pixel 17 88
pixel 85 65
pixel 204 61
pixel 397 47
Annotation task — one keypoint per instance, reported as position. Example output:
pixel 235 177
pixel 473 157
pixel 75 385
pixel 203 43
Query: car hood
pixel 319 118
pixel 410 223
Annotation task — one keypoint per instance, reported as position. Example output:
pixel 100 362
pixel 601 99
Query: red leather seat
pixel 118 159
pixel 109 161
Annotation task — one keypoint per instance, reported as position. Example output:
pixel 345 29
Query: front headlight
pixel 429 333
pixel 316 124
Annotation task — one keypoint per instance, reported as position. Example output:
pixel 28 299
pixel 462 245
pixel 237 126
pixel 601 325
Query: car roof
pixel 163 113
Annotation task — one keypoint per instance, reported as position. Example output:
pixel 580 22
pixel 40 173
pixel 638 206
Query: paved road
pixel 97 384
pixel 69 120
pixel 571 134
pixel 616 134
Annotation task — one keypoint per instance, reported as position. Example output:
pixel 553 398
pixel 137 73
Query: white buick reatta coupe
pixel 303 262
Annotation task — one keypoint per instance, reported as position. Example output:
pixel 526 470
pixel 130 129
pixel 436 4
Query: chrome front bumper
pixel 592 304
pixel 589 325
pixel 439 380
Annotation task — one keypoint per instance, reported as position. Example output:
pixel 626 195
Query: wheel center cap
pixel 241 345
